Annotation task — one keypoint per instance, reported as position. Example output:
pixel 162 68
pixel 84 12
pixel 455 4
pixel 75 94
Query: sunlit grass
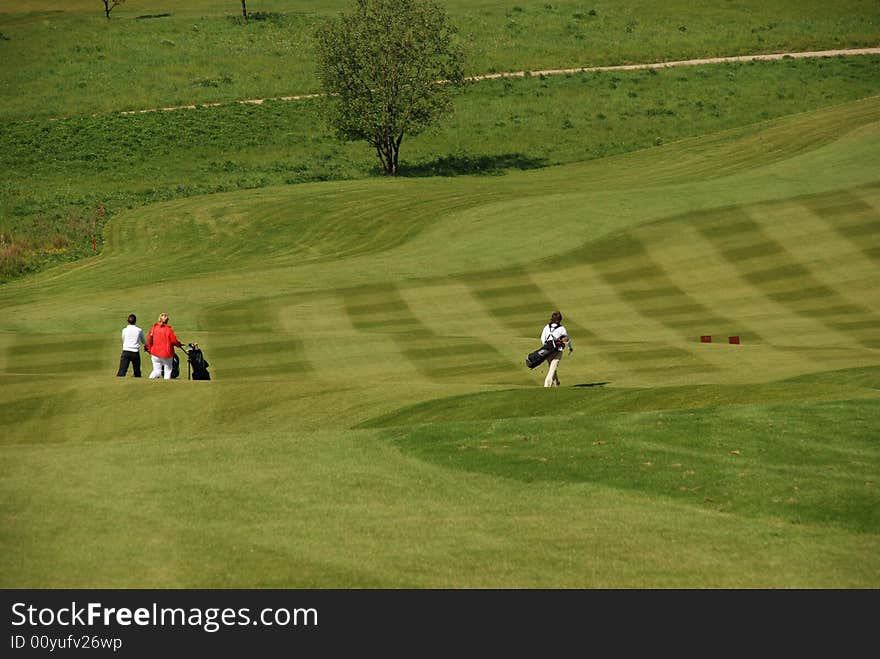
pixel 370 422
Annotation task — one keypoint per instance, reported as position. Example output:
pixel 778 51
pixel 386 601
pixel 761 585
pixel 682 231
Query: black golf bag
pixel 197 365
pixel 537 358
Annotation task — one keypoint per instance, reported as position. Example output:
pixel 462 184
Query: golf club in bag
pixel 196 364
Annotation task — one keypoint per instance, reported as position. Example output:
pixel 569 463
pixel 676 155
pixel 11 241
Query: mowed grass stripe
pixel 50 346
pixel 836 261
pixel 448 307
pixel 261 358
pixel 710 254
pixel 635 296
pixel 371 312
pixel 354 228
pixel 769 267
pixel 382 309
pixel 50 355
pixel 254 315
pixel 626 264
pixel 511 296
pixel 854 218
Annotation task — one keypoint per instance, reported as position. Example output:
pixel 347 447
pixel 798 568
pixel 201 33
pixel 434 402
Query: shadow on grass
pixel 591 384
pixel 463 165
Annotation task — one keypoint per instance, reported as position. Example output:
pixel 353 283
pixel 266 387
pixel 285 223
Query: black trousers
pixel 133 358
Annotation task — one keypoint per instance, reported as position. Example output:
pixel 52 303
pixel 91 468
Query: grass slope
pixel 70 71
pixel 371 423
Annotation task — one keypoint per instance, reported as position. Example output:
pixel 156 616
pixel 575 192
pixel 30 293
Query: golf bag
pixel 537 358
pixel 175 366
pixel 197 365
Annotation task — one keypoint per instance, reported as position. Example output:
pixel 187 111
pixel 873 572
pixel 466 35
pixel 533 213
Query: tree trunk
pixel 382 152
pixel 244 9
pixel 391 170
pixel 107 9
pixel 396 153
pixel 387 151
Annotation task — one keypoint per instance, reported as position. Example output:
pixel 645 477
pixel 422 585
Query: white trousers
pixel 158 364
pixel 552 380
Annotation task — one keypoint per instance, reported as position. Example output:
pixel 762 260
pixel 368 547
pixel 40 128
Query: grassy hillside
pixel 371 422
pixel 66 59
pixel 69 72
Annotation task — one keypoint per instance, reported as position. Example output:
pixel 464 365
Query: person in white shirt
pixel 555 330
pixel 132 340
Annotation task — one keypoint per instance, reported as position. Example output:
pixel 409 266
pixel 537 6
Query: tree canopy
pixel 388 69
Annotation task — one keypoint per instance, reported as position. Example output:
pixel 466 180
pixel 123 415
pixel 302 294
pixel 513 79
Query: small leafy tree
pixel 388 69
pixel 110 5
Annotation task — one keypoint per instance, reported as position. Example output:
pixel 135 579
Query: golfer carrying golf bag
pixel 555 331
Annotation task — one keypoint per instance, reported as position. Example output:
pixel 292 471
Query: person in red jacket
pixel 161 342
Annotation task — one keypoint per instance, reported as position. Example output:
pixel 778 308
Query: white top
pixel 132 338
pixel 557 332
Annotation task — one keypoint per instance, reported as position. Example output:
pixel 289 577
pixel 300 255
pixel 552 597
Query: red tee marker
pixel 733 340
pixel 101 210
pixel 706 338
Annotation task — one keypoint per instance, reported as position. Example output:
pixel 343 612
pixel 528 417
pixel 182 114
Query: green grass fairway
pixel 371 423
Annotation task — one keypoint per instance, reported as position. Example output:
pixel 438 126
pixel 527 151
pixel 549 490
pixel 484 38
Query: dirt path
pixel 553 72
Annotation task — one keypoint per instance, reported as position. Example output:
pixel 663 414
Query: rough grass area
pixel 803 462
pixel 71 170
pixel 76 62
